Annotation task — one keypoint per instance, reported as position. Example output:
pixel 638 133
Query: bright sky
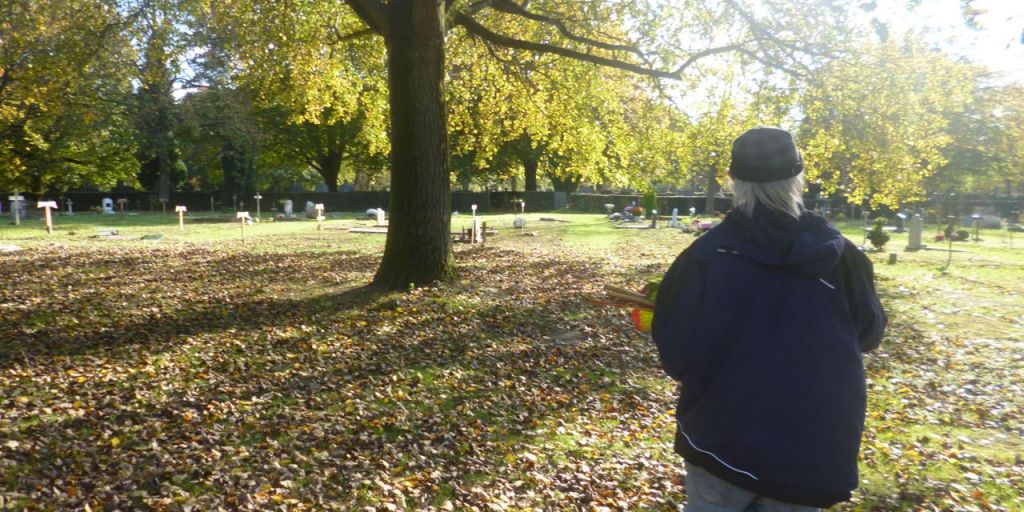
pixel 997 44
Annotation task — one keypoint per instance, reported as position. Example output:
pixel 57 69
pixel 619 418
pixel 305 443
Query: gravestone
pixel 319 207
pixel 257 197
pixel 17 207
pixel 310 210
pixel 520 222
pixel 382 220
pixel 288 208
pixel 243 217
pixel 916 227
pixel 69 203
pixel 674 223
pixel 49 219
pixel 108 205
pixel 181 217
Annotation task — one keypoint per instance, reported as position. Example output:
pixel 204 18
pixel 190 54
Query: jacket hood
pixel 808 246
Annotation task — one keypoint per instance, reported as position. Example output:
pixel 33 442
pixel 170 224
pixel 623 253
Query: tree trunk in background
pixel 530 168
pixel 568 185
pixel 330 168
pixel 418 248
pixel 711 190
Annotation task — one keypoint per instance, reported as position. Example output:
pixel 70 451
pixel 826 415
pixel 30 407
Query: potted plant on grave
pixel 877 236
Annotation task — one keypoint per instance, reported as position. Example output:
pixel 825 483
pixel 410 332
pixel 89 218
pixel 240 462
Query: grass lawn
pixel 197 372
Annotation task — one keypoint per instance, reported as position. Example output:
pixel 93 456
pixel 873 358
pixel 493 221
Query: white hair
pixel 786 195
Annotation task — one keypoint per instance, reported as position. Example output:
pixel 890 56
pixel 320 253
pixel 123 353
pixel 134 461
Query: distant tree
pixel 64 92
pixel 876 123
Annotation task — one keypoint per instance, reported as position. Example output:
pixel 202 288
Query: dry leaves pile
pixel 194 379
pixel 183 378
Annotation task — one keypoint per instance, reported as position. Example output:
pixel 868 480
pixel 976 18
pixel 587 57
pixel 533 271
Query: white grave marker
pixel 916 227
pixel 69 203
pixel 288 208
pixel 120 204
pixel 243 216
pixel 381 218
pixel 49 220
pixel 108 205
pixel 181 216
pixel 16 200
pixel 674 223
pixel 257 197
pixel 319 207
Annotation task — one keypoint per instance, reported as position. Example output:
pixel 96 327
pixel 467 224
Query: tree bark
pixel 418 248
pixel 530 168
pixel 568 185
pixel 330 168
pixel 711 190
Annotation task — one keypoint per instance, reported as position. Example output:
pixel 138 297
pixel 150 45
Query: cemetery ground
pixel 196 372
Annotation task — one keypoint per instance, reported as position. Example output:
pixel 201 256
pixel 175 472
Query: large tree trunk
pixel 569 185
pixel 418 249
pixel 166 168
pixel 330 168
pixel 530 167
pixel 711 190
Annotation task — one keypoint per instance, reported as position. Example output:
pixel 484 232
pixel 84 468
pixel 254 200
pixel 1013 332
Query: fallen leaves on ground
pixel 191 378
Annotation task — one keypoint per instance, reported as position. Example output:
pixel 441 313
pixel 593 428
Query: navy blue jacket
pixel 763 321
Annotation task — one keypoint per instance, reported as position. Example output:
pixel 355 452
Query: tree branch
pixel 372 13
pixel 341 38
pixel 475 28
pixel 510 7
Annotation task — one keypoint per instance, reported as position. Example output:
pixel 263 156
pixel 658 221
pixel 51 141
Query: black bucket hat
pixel 765 153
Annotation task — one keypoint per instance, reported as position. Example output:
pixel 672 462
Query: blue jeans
pixel 708 493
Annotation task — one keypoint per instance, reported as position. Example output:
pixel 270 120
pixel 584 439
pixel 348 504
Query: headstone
pixel 381 218
pixel 108 205
pixel 476 237
pixel 674 223
pixel 654 219
pixel 120 204
pixel 181 217
pixel 693 211
pixel 916 227
pixel 310 210
pixel 49 219
pixel 69 203
pixel 17 207
pixel 46 205
pixel 243 217
pixel 105 233
pixel 288 208
pixel 257 197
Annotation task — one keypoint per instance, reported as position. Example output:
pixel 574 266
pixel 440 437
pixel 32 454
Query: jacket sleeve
pixel 675 313
pixel 858 278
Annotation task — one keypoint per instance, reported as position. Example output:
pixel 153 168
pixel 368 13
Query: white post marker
pixel 49 220
pixel 475 236
pixel 243 216
pixel 257 197
pixel 16 200
pixel 120 205
pixel 319 216
pixel 181 216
